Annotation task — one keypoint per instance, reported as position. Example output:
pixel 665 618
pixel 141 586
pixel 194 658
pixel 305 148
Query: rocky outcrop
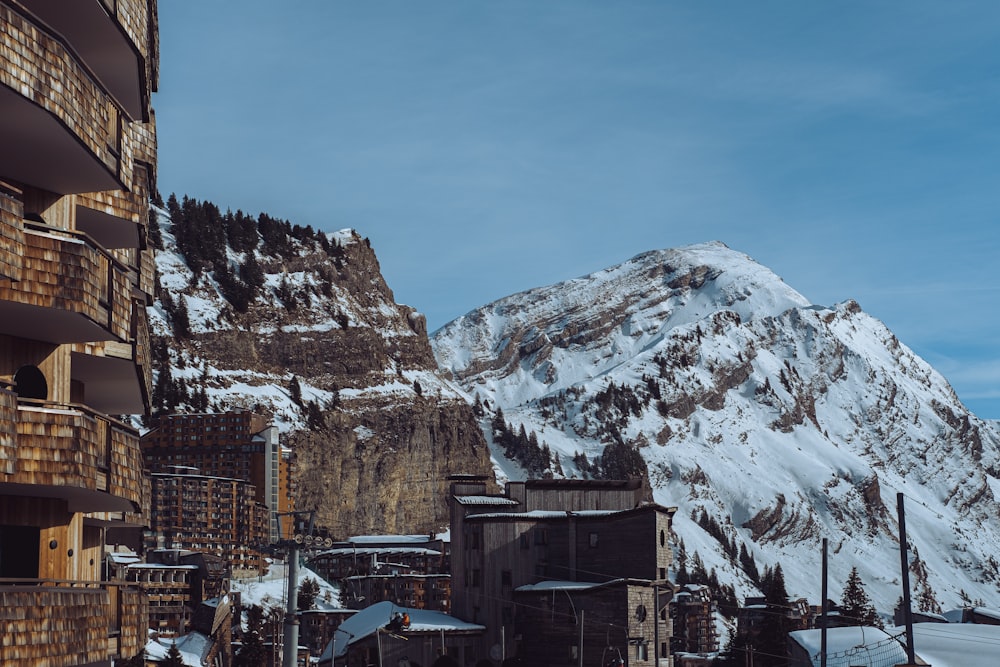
pixel 347 373
pixel 385 470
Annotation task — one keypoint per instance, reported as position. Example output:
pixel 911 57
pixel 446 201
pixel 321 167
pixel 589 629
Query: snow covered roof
pixel 405 575
pixel 956 644
pixel 123 559
pixel 485 500
pixel 390 539
pixel 369 620
pixel 856 645
pixel 559 586
pixel 193 647
pixel 368 551
pixel 546 514
pixel 986 611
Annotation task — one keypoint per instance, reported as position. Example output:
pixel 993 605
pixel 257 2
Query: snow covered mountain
pixel 771 423
pixel 255 313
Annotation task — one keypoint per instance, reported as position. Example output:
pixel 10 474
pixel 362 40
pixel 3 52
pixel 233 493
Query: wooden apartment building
pixel 77 167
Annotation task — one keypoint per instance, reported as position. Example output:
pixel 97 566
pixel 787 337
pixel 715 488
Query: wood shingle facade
pixel 77 167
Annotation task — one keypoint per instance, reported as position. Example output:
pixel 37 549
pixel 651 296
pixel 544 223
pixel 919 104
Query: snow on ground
pixel 193 647
pixel 270 590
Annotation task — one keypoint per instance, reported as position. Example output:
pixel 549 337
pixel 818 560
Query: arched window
pixel 29 382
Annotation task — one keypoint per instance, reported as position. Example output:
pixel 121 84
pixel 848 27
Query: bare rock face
pixel 347 374
pixel 384 470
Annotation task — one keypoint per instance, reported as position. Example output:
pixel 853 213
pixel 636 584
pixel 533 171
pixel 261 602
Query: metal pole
pixel 580 657
pixel 822 643
pixel 291 645
pixel 905 566
pixel 656 625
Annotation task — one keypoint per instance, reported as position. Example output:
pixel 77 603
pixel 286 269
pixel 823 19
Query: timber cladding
pixel 56 625
pixel 39 67
pixel 8 430
pixel 68 447
pixel 67 273
pixel 11 233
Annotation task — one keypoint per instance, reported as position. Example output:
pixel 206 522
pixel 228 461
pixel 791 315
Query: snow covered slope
pixel 779 421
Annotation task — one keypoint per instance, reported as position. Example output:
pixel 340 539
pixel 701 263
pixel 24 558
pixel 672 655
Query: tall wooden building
pixel 77 166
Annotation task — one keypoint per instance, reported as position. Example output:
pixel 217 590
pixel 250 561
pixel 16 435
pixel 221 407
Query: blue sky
pixel 490 147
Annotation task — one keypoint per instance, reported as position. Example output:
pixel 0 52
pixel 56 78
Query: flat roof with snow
pixel 370 620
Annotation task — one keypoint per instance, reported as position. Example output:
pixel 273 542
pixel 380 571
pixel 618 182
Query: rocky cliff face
pixel 347 374
pixel 771 423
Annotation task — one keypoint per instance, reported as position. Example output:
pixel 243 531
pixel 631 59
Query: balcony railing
pixel 69 273
pixel 90 459
pixel 64 623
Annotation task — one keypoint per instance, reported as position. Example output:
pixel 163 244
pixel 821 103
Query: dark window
pixel 19 552
pixel 541 536
pixel 30 383
pixel 507 616
pixel 524 540
pixel 506 578
pixel 642 651
pixel 663 538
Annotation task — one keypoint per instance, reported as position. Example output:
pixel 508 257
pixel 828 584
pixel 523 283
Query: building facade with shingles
pixel 560 532
pixel 77 168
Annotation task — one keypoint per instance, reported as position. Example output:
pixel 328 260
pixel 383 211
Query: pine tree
pixel 771 643
pixel 748 564
pixel 856 607
pixel 251 654
pixel 181 321
pixel 308 592
pixel 295 391
pixel 174 658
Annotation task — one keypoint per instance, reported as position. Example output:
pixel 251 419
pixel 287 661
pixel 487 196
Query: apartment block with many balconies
pixel 211 515
pixel 77 166
pixel 238 445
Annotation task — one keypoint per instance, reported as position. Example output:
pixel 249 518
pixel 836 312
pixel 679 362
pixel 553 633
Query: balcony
pixel 73 453
pixel 118 377
pixel 71 291
pixel 61 132
pixel 111 37
pixel 64 623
